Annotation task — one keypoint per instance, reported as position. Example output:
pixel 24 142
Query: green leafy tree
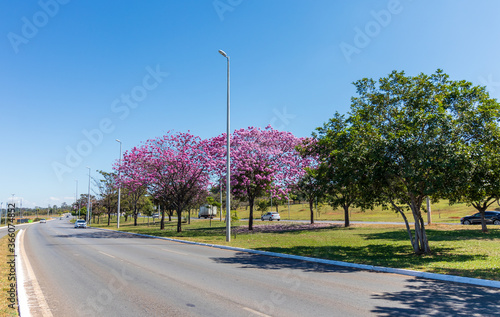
pixel 342 169
pixel 411 129
pixel 477 122
pixel 107 193
pixel 262 205
pixel 310 188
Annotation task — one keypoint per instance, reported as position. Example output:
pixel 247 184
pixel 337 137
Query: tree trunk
pixel 484 229
pixel 109 218
pixel 135 213
pixel 407 226
pixel 250 217
pixel 346 215
pixel 162 222
pixel 179 221
pixel 311 209
pixel 421 244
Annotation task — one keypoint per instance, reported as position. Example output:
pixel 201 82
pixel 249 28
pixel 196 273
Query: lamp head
pixel 223 53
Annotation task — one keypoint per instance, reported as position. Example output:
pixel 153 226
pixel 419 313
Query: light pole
pixel 88 201
pixel 14 204
pixel 77 205
pixel 228 157
pixel 119 186
pixel 220 191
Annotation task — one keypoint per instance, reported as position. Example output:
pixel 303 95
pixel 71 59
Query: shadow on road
pixel 422 297
pixel 250 260
pixel 433 298
pixel 86 233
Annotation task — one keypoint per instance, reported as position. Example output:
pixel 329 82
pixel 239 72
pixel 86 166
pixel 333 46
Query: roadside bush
pixel 234 216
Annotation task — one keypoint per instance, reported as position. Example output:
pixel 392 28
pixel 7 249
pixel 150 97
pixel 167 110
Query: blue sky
pixel 76 75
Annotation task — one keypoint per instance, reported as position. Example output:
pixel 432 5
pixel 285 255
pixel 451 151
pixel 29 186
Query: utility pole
pixel 88 202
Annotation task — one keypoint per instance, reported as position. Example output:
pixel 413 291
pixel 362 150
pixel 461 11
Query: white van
pixel 207 211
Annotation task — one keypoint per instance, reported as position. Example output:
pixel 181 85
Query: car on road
pixel 43 221
pixel 80 223
pixel 272 215
pixel 490 217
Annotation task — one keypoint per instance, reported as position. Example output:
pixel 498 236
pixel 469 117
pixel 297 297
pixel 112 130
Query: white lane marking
pixel 107 254
pixel 174 252
pixel 256 312
pixel 42 304
pixel 22 297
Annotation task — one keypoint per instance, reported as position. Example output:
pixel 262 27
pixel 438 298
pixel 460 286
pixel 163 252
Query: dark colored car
pixel 490 217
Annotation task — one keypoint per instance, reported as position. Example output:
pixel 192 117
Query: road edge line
pixel 22 298
pixel 39 297
pixel 427 275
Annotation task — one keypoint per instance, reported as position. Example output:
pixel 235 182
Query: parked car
pixel 490 217
pixel 156 215
pixel 43 221
pixel 80 223
pixel 273 215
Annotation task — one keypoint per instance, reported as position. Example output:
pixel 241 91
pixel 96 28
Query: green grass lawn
pixel 440 212
pixel 456 249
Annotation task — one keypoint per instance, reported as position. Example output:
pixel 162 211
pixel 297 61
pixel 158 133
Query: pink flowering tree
pixel 179 167
pixel 263 161
pixel 133 177
pixel 309 185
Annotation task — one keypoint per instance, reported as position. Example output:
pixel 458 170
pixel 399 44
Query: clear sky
pixel 76 75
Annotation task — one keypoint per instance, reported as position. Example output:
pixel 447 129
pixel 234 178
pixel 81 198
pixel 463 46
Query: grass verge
pixel 456 250
pixel 5 253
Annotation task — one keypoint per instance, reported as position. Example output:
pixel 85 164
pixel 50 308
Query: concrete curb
pixel 427 275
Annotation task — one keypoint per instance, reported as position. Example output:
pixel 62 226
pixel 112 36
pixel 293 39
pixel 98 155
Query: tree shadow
pixel 437 235
pixel 84 234
pixel 421 297
pixel 434 298
pixel 287 228
pixel 256 261
pixel 376 254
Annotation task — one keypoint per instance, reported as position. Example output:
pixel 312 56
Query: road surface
pixel 92 272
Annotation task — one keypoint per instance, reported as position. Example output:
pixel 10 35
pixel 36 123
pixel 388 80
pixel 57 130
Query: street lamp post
pixel 14 204
pixel 77 204
pixel 88 201
pixel 119 186
pixel 228 157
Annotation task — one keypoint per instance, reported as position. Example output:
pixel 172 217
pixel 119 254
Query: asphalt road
pixel 4 229
pixel 91 272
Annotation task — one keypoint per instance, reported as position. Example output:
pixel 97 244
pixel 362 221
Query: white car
pixel 271 216
pixel 80 223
